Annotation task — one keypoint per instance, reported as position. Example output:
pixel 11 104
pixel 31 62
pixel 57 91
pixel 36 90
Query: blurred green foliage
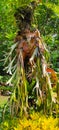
pixel 47 20
pixel 7 28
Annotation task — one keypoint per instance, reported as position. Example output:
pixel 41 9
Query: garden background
pixel 46 19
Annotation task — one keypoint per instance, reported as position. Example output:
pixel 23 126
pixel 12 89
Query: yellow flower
pixel 37 122
pixel 6 124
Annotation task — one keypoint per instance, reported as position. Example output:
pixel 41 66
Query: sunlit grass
pixel 3 100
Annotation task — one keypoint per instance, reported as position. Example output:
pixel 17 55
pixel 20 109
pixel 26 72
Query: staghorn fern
pixel 34 64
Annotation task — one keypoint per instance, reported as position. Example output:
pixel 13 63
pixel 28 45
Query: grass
pixel 3 100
